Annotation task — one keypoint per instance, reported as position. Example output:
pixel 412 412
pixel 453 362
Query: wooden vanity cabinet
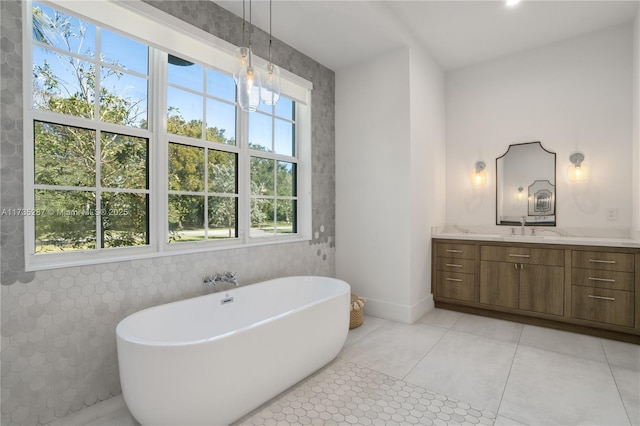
pixel 589 289
pixel 455 271
pixel 602 287
pixel 528 279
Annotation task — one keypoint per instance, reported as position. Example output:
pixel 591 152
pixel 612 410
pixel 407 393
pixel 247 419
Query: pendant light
pixel 270 91
pixel 247 80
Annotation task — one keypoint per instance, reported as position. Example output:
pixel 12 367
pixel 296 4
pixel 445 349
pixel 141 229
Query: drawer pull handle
pixel 602 261
pixel 454 265
pixel 607 280
pixel 591 296
pixel 454 251
pixel 458 280
pixel 520 255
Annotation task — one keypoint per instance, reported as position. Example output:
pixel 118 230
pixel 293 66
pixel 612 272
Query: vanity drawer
pixel 523 255
pixel 456 286
pixel 613 280
pixel 466 266
pixel 601 305
pixel 605 261
pixel 462 251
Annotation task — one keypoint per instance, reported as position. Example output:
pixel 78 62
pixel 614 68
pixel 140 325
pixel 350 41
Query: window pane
pixel 186 168
pixel 223 214
pixel 63 31
pixel 124 219
pixel 267 109
pixel 260 132
pixel 286 216
pixel 67 222
pixel 262 176
pixel 184 115
pixel 284 135
pixel 185 73
pixel 186 218
pixel 286 176
pixel 222 172
pixel 64 155
pixel 285 108
pixel 123 51
pixel 221 85
pixel 221 122
pixel 62 84
pixel 261 217
pixel 123 98
pixel 125 161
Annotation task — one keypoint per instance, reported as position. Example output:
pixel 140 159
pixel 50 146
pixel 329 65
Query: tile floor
pixel 451 368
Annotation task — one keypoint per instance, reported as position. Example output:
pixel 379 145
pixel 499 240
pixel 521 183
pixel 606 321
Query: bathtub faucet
pixel 215 279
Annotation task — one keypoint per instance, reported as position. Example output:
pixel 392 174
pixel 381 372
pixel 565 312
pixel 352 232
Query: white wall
pixel 427 155
pixel 635 223
pixel 372 175
pixel 570 96
pixel 389 186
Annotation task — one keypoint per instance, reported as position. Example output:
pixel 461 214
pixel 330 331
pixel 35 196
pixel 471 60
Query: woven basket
pixel 356 317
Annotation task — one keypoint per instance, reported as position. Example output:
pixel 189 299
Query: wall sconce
pixel 480 176
pixel 577 172
pixel 520 194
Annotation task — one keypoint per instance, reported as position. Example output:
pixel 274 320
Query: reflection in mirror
pixel 526 186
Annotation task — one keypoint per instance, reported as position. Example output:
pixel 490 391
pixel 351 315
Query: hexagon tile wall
pixel 58 326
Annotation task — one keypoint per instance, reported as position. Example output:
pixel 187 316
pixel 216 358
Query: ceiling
pixel 339 34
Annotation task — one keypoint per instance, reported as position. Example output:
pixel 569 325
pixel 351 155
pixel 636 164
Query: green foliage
pixel 65 156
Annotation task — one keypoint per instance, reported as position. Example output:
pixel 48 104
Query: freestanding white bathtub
pixel 212 359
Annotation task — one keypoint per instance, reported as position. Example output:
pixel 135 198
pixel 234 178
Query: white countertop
pixel 542 239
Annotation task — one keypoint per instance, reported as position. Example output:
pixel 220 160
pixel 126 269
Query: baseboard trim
pixel 399 313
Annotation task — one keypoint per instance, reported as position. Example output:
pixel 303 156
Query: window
pixel 91 146
pixel 138 150
pixel 203 157
pixel 272 145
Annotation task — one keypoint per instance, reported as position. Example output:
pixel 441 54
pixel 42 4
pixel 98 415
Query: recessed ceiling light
pixel 512 2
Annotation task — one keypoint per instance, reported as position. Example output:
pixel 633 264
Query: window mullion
pixel 244 175
pixel 98 200
pixel 159 184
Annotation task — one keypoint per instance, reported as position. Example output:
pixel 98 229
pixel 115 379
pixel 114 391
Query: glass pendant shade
pixel 248 89
pixel 242 57
pixel 270 91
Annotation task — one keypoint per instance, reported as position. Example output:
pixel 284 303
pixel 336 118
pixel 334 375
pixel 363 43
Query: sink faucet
pixel 522 221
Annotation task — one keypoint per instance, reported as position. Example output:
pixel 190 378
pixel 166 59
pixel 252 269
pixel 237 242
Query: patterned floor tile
pixel 345 393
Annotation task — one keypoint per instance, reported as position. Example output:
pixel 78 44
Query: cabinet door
pixel 542 289
pixel 499 284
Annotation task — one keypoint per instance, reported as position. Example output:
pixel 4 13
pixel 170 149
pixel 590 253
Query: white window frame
pixel 142 22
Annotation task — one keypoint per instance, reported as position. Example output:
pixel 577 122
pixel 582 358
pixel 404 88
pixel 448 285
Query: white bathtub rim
pixel 193 342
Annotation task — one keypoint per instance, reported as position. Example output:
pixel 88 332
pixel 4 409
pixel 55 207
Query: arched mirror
pixel 526 186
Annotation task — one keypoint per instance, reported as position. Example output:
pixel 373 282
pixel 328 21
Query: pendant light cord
pixel 250 31
pixel 270 20
pixel 243 22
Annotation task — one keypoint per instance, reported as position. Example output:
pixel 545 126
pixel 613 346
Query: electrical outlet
pixel 612 214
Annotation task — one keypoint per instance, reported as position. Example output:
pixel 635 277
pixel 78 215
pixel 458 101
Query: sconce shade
pixel 577 171
pixel 480 175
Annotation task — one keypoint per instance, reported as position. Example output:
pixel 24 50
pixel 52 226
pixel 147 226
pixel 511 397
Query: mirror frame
pixel 530 219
